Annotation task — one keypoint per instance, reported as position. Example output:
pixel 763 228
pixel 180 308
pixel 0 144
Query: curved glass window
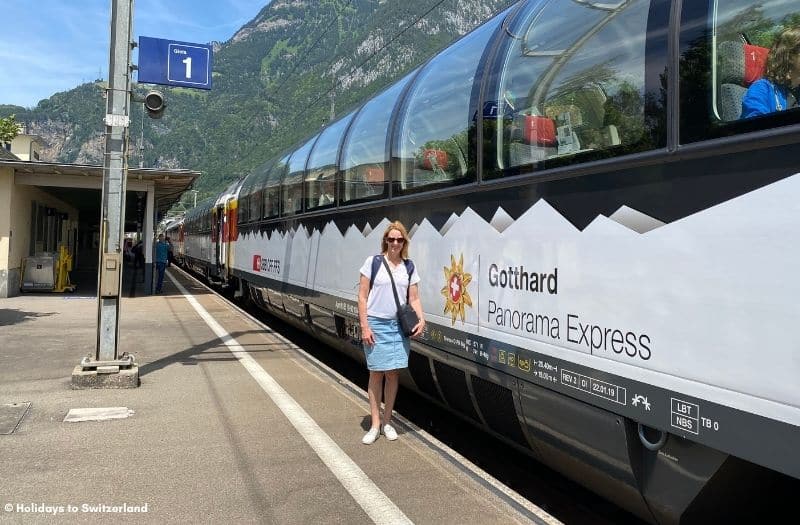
pixel 573 81
pixel 261 175
pixel 321 178
pixel 433 141
pixel 256 205
pixel 733 77
pixel 293 181
pixel 243 209
pixel 272 188
pixel 365 161
pixel 250 195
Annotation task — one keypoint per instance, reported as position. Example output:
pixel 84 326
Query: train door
pixel 229 235
pixel 219 246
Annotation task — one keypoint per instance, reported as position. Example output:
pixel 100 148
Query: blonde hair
pixel 780 61
pixel 396 225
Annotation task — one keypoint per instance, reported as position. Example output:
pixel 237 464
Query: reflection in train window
pixel 255 183
pixel 321 177
pixel 243 210
pixel 437 120
pixel 250 195
pixel 573 81
pixel 364 156
pixel 272 188
pixel 292 184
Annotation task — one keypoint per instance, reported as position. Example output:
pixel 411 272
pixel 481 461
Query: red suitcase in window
pixel 539 130
pixel 434 158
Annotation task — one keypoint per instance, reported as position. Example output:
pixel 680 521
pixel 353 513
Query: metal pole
pixel 115 170
pixel 141 143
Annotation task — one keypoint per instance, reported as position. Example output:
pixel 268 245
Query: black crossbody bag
pixel 406 315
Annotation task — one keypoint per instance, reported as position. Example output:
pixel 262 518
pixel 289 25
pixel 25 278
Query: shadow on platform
pixel 9 316
pixel 213 350
pixel 133 284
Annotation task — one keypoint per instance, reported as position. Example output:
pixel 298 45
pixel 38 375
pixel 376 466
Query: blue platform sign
pixel 172 63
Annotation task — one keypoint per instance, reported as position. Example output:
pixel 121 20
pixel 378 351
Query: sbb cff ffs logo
pixel 266 265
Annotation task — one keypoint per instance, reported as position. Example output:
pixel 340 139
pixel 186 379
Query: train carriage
pixel 175 232
pixel 605 244
pixel 207 233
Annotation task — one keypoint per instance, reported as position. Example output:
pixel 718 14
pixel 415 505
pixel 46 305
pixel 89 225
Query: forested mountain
pixel 275 82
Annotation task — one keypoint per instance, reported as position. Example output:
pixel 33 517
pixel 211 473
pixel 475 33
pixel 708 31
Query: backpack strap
pixel 410 269
pixel 376 264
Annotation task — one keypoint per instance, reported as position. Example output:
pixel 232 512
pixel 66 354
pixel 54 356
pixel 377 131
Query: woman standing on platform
pixel 385 346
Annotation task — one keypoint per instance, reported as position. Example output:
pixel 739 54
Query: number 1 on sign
pixel 188 62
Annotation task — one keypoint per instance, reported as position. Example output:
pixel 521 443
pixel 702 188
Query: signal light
pixel 154 104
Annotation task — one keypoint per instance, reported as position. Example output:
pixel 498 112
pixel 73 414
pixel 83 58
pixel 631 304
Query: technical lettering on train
pixel 261 264
pixel 344 306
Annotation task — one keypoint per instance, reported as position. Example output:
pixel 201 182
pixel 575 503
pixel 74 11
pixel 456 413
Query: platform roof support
pixel 149 235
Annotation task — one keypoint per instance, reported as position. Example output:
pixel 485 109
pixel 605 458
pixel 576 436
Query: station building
pixel 46 205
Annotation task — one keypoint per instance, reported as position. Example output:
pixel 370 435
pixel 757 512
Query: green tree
pixel 8 129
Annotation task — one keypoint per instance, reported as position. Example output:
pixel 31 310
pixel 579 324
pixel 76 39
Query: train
pixel 607 249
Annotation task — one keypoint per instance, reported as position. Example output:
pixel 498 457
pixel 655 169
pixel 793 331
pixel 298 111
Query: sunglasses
pixel 395 239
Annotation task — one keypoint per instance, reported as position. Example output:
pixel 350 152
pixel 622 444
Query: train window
pixel 733 77
pixel 255 205
pixel 272 188
pixel 746 35
pixel 250 196
pixel 293 180
pixel 321 178
pixel 572 81
pixel 364 156
pixel 244 209
pixel 436 131
pixel 260 176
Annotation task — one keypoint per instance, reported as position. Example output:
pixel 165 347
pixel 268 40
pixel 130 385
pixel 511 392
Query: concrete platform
pixel 207 437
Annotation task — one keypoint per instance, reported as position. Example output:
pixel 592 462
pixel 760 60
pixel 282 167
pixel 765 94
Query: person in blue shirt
pixel 162 256
pixel 773 92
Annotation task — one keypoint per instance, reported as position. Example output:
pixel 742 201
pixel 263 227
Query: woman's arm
pixel 416 304
pixel 363 294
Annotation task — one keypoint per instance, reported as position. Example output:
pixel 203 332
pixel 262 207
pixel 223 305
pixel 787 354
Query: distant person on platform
pixel 138 255
pixel 128 251
pixel 170 253
pixel 775 91
pixel 162 256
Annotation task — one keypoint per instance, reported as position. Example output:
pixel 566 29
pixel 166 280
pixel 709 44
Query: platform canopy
pixel 168 184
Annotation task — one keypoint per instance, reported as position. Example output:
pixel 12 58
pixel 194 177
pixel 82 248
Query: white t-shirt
pixel 380 302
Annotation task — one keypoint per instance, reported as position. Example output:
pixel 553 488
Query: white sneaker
pixel 389 432
pixel 370 437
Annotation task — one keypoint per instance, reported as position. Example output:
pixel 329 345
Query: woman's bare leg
pixel 374 392
pixel 390 394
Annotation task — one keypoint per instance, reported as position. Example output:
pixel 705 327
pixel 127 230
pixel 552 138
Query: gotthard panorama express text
pixel 594 337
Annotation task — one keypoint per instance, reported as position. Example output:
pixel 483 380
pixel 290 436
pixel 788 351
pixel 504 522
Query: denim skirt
pixel 391 349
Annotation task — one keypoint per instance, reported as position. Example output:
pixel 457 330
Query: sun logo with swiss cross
pixel 455 289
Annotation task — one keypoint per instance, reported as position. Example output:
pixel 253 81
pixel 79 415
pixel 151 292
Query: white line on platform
pixel 76 415
pixel 372 499
pixel 355 394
